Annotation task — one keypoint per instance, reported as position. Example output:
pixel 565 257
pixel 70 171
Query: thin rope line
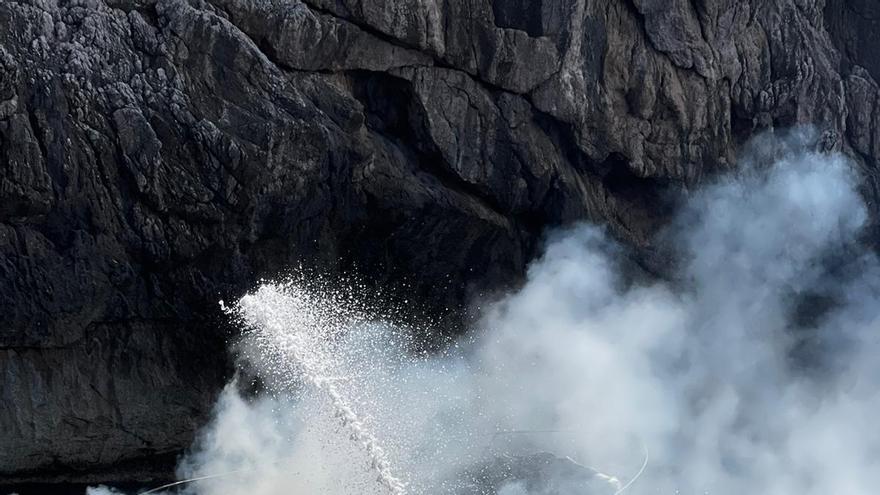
pixel 497 433
pixel 197 478
pixel 638 474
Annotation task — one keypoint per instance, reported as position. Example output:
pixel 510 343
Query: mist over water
pixel 756 371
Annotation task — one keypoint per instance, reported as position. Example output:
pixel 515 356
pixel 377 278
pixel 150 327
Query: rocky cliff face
pixel 158 155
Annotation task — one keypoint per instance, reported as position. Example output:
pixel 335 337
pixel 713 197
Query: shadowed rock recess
pixel 158 155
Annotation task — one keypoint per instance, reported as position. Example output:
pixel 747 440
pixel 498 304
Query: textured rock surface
pixel 157 155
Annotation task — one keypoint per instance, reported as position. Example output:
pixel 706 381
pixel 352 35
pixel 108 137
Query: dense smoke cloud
pixel 720 376
pixel 755 371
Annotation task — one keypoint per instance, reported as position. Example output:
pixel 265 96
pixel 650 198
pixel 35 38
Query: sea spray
pixel 294 331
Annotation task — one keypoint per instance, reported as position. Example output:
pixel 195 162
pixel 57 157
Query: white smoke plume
pixel 755 371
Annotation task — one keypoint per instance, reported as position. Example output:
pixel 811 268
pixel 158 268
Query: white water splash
pixel 295 332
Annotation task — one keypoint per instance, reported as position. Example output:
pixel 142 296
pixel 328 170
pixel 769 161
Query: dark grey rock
pixel 159 155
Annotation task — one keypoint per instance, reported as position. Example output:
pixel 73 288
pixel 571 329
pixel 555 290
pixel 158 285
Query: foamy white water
pixel 294 331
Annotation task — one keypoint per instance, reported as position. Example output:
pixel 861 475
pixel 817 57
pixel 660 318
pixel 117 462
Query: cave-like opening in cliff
pixel 655 198
pixel 524 15
pixel 380 246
